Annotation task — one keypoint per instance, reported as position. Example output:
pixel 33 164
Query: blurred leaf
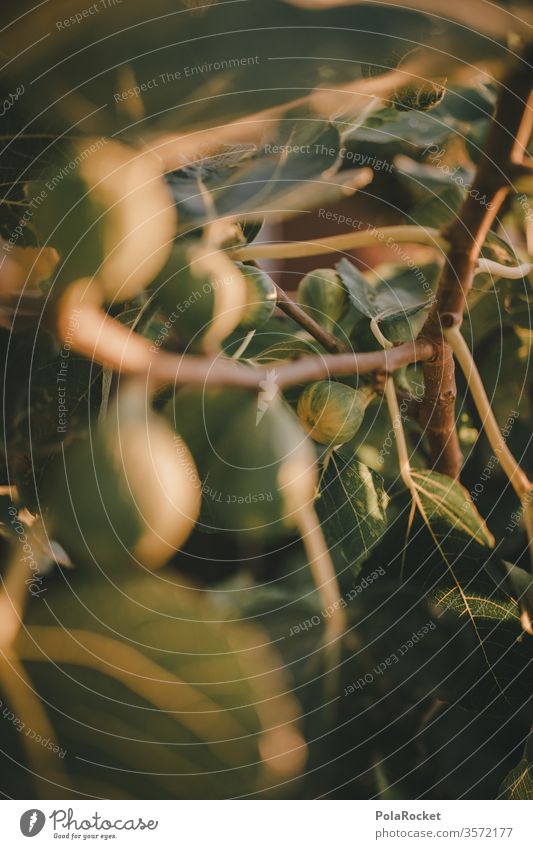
pixel 194 65
pixel 499 250
pixel 128 489
pixel 245 447
pixel 246 181
pixel 437 190
pixel 172 705
pixel 465 754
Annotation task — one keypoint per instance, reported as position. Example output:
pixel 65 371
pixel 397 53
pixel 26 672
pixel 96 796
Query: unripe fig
pixel 332 412
pixel 257 467
pixel 260 297
pixel 109 213
pixel 203 294
pixel 323 297
pixel 131 490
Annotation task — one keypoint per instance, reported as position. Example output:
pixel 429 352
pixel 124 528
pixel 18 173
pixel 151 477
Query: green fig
pixel 203 295
pixel 257 467
pixel 108 212
pixel 332 412
pixel 260 297
pixel 322 295
pixel 130 491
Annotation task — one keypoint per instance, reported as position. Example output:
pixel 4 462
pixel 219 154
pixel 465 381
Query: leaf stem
pixel 343 242
pixel 506 272
pixel 395 414
pixel 516 475
pixel 322 570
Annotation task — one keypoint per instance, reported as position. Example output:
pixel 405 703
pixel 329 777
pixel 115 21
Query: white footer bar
pixel 266 824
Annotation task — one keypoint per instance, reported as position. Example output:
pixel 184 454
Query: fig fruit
pixel 108 212
pixel 203 295
pixel 331 412
pixel 260 297
pixel 131 491
pixel 323 297
pixel 257 468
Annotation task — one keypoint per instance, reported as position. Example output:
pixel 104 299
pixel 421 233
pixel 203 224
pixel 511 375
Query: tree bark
pixel 500 163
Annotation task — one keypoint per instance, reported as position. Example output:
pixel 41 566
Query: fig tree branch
pixel 290 308
pixel 102 339
pixel 502 158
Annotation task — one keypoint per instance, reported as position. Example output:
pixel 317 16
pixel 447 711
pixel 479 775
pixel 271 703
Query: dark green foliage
pixel 222 675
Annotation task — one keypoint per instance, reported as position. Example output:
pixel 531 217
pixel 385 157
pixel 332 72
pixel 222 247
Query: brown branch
pixel 290 308
pixel 104 340
pixel 502 157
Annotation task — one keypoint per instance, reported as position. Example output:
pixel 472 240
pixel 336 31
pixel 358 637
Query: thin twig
pixel 295 311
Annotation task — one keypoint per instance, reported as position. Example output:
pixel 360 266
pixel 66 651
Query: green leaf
pixel 351 506
pixel 444 548
pixel 438 191
pixel 399 302
pixel 448 505
pixel 246 182
pixel 518 784
pixel 373 296
pixel 465 754
pixel 438 210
